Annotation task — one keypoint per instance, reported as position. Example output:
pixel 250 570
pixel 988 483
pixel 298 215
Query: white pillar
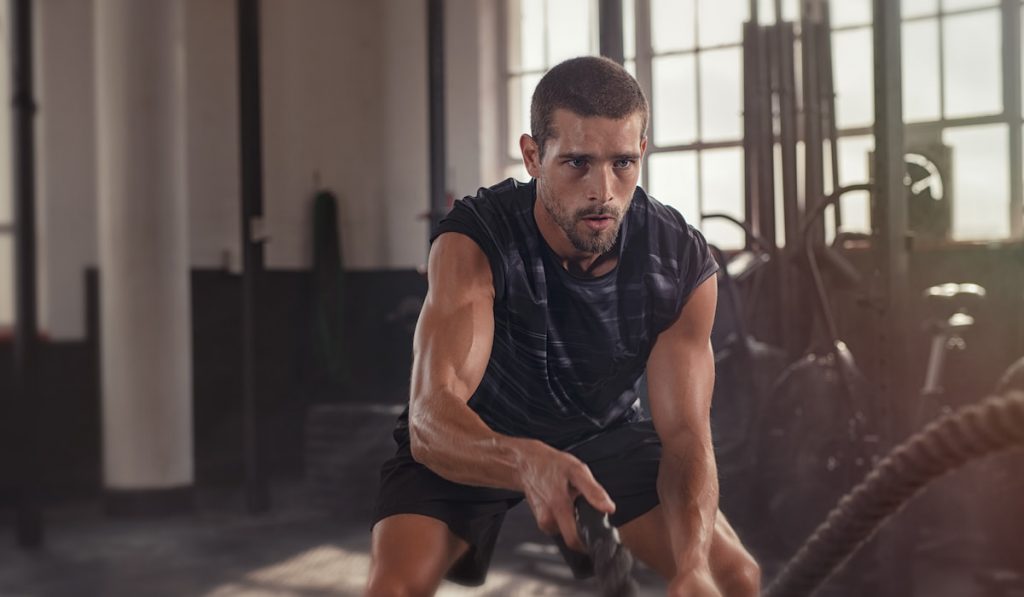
pixel 145 316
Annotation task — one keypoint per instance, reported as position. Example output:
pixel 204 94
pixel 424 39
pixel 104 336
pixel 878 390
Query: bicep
pixel 452 343
pixel 681 369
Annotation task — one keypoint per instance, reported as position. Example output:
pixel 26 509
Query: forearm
pixel 451 440
pixel 688 490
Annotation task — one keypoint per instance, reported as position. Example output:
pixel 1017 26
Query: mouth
pixel 598 223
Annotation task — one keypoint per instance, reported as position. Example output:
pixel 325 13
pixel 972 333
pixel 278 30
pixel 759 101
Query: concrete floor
pixel 298 550
pixel 221 552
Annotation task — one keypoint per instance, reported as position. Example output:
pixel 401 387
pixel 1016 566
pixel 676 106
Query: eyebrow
pixel 586 156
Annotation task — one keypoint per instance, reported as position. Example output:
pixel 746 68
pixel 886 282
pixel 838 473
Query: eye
pixel 624 163
pixel 576 162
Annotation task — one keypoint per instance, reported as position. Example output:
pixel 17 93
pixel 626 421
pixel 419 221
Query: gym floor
pixel 298 550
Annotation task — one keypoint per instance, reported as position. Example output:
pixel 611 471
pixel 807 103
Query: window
pixel 953 95
pixel 688 56
pixel 541 33
pixel 695 85
pixel 6 237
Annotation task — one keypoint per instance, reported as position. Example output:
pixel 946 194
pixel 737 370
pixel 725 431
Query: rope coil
pixel 992 425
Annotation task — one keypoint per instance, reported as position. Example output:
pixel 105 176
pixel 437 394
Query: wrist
pixel 522 455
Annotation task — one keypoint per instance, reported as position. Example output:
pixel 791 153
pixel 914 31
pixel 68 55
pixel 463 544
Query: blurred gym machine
pixel 781 113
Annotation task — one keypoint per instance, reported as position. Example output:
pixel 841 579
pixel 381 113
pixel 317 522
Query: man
pixel 547 302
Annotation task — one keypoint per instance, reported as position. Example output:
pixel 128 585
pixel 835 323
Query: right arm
pixel 451 348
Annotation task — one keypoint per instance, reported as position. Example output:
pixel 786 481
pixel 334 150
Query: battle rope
pixel 994 424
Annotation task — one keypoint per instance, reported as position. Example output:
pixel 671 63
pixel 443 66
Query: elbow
pixel 419 446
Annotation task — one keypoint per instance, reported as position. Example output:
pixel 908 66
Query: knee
pixel 743 580
pixel 391 584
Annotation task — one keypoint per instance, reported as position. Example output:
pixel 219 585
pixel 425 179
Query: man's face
pixel 587 176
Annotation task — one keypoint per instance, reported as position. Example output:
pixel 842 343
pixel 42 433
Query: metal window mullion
pixel 644 59
pixel 1011 14
pixel 547 49
pixel 698 146
pixel 940 17
pixel 699 112
pixel 504 57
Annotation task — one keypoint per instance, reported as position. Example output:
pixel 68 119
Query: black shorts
pixel 624 460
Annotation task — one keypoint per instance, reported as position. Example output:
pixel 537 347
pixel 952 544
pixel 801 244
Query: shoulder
pixel 668 231
pixel 491 219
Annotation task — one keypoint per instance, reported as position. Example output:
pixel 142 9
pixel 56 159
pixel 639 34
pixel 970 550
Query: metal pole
pixel 257 492
pixel 438 133
pixel 810 32
pixel 29 523
pixel 788 293
pixel 610 30
pixel 889 216
pixel 1012 105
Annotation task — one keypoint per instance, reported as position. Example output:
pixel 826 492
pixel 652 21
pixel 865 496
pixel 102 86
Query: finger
pixel 583 481
pixel 547 524
pixel 567 528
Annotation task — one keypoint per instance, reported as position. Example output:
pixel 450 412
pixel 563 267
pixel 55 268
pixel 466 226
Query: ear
pixel 531 154
pixel 643 146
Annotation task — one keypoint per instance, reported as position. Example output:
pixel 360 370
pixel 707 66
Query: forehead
pixel 572 131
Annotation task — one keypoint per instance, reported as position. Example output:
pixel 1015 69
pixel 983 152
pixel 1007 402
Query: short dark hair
pixel 586 86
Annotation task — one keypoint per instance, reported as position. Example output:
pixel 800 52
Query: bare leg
pixel 735 571
pixel 410 556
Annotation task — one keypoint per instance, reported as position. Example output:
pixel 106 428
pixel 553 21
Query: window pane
pixel 766 11
pixel 919 8
pixel 981 197
pixel 973 64
pixel 672 179
pixel 721 21
pixel 854 154
pixel 527 35
pixel 959 4
pixel 722 182
pixel 672 25
pixel 520 90
pixel 630 67
pixel 570 29
pixel 854 77
pixel 629 29
pixel 721 73
pixel 850 12
pixel 674 110
pixel 6 280
pixel 921 70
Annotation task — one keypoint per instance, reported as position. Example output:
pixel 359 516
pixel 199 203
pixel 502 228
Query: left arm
pixel 680 377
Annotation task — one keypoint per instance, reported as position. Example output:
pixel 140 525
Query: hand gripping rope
pixel 613 564
pixel 994 424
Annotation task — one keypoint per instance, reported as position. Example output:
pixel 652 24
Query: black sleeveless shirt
pixel 569 352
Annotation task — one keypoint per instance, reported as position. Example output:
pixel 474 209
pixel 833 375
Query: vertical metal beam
pixel 29 523
pixel 788 294
pixel 644 71
pixel 810 32
pixel 828 103
pixel 438 133
pixel 610 30
pixel 889 218
pixel 1012 106
pixel 257 491
pixel 753 143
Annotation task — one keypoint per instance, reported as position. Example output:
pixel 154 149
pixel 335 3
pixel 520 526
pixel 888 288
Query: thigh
pixel 411 554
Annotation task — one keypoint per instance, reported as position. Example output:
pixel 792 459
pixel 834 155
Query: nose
pixel 604 183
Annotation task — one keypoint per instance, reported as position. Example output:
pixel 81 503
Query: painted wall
pixel 344 107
